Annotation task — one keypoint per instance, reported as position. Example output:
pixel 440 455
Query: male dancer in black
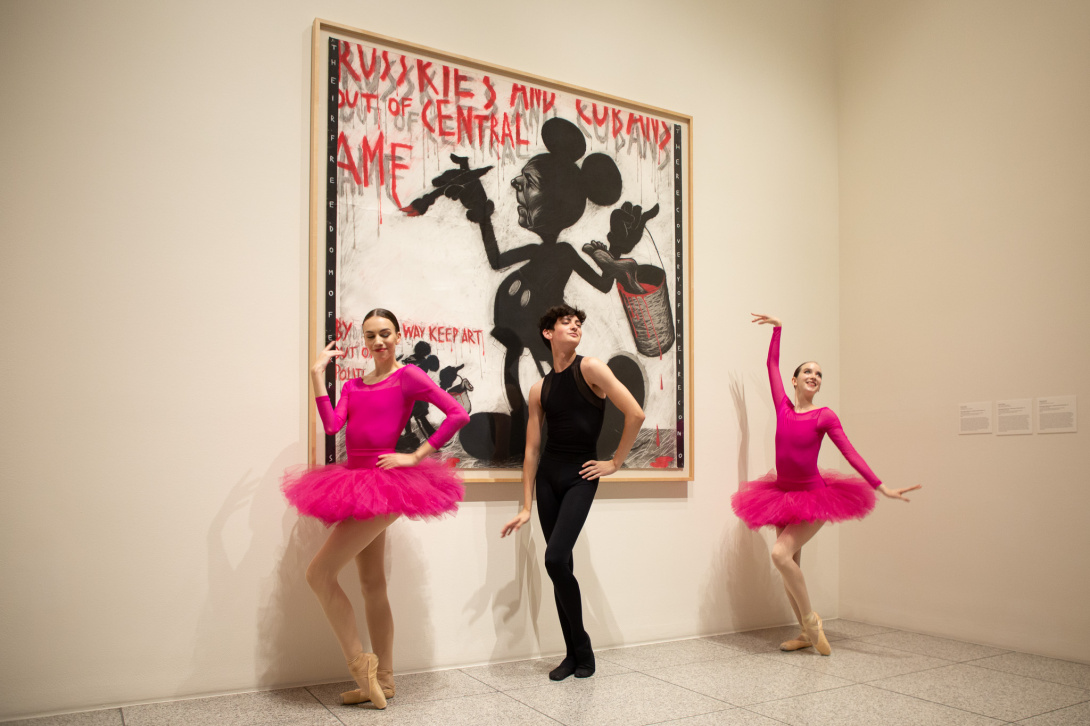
pixel 572 398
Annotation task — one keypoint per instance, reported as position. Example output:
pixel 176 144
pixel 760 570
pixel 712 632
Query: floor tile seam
pixel 682 718
pixel 1036 678
pixel 912 673
pixel 690 690
pixel 957 708
pixel 765 715
pixel 1032 678
pixel 1045 713
pixel 523 703
pixel 912 652
pixel 323 705
pixel 487 685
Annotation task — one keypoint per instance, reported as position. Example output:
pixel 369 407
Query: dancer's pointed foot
pixel 562 671
pixel 364 669
pixel 385 680
pixel 797 643
pixel 814 631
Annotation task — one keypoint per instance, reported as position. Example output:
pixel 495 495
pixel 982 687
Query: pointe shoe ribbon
pixel 364 669
pixel 814 631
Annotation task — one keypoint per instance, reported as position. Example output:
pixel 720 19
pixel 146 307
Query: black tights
pixel 563 503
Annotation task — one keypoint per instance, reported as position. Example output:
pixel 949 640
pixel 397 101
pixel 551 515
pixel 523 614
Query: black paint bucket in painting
pixel 649 312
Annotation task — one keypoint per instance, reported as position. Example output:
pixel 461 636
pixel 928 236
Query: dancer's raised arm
pixel 773 362
pixel 332 420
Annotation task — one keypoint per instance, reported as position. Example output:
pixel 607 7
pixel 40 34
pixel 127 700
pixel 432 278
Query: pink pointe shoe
pixel 364 669
pixel 797 643
pixel 385 681
pixel 812 624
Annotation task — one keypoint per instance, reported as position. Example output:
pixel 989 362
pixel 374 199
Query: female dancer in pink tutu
pixel 363 496
pixel 795 497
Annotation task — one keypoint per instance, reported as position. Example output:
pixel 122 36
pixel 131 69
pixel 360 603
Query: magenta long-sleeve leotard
pixel 376 414
pixel 796 490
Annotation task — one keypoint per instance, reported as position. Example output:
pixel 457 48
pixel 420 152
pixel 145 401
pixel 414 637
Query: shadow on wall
pixel 523 609
pixel 514 605
pixel 294 643
pixel 238 540
pixel 741 581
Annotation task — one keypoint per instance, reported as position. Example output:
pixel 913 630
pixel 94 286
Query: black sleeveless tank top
pixel 573 414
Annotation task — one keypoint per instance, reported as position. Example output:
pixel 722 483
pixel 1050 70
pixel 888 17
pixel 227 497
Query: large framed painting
pixel 468 199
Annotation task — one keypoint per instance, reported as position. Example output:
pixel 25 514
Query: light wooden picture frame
pixel 467 198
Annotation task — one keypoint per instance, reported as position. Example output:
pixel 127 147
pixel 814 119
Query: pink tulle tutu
pixel 334 492
pixel 770 501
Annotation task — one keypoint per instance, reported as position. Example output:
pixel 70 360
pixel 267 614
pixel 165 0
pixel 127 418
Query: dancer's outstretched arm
pixel 601 380
pixel 529 462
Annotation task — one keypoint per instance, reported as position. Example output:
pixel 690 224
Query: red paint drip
pixel 662 462
pixel 656 434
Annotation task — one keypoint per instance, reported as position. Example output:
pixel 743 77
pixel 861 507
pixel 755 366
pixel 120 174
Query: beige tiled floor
pixel 876 677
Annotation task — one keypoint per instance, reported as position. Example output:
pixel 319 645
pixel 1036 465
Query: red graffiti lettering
pixel 367 71
pixel 386 68
pixel 368 155
pixel 506 133
pixel 666 136
pixel 345 58
pixel 458 92
pixel 395 164
pixel 582 113
pixel 442 118
pixel 518 91
pixel 350 163
pixel 518 131
pixel 423 77
pixel 465 123
pixel 342 99
pixel 490 94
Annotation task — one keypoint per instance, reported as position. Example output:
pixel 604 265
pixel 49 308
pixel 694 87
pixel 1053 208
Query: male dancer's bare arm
pixel 529 462
pixel 601 380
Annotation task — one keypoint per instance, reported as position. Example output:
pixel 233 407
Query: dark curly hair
pixel 548 320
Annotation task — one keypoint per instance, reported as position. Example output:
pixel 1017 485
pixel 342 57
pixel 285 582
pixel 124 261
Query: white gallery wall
pixel 965 263
pixel 154 288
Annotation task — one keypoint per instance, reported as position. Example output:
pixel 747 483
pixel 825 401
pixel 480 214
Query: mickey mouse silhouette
pixel 552 192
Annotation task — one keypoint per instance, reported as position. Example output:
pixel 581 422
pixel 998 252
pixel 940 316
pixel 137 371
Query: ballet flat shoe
pixel 814 631
pixel 796 643
pixel 364 669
